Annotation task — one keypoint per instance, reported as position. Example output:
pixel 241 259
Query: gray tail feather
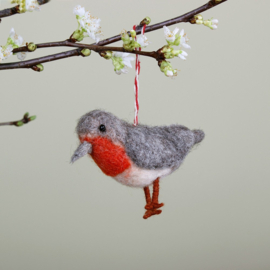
pixel 199 135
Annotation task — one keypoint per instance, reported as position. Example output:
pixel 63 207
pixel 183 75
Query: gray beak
pixel 83 149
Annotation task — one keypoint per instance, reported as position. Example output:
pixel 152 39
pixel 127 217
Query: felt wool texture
pixel 83 149
pixel 110 158
pixel 136 156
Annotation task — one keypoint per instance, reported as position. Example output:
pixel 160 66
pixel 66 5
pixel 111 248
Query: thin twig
pixel 26 119
pixel 15 10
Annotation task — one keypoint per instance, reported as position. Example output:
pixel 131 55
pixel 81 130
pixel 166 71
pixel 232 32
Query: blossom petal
pixel 182 32
pixel 169 73
pixel 185 45
pixel 166 30
pixel 127 63
pixel 21 55
pixel 184 53
pixel 19 41
pixel 78 10
pixel 175 30
pixel 12 33
pixel 182 56
pixel 143 41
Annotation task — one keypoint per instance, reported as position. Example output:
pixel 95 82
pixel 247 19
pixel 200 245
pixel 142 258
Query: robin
pixel 135 156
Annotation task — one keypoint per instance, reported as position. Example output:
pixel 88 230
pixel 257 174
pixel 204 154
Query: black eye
pixel 102 128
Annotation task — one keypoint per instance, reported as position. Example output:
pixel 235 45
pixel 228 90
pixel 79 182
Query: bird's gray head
pixel 98 123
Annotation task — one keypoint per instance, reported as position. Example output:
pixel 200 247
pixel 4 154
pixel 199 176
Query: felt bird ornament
pixel 136 156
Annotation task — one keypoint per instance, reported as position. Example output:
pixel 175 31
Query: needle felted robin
pixel 136 156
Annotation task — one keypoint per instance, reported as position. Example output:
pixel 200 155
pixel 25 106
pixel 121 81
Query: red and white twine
pixel 136 81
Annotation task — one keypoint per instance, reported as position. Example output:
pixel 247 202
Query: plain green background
pixel 216 216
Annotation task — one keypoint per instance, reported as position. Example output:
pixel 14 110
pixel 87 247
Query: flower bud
pixel 32 118
pixel 198 17
pixel 167 51
pixel 86 52
pixel 133 33
pixel 212 23
pixel 163 64
pixel 22 8
pixel 131 46
pixel 117 63
pixel 26 115
pixel 106 54
pixel 125 37
pixel 77 35
pixel 167 69
pixel 31 46
pixel 40 67
pixel 19 124
pixel 145 21
pixel 176 52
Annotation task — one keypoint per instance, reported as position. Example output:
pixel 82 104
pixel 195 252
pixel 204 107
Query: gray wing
pixel 158 147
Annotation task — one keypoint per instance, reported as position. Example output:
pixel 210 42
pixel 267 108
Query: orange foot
pixel 153 206
pixel 151 212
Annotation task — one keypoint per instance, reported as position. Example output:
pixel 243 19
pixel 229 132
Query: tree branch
pixel 183 18
pixel 98 48
pixel 9 12
pixel 26 119
pixel 77 52
pixel 15 10
pixel 93 47
pixel 44 59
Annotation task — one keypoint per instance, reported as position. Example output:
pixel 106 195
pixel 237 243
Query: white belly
pixel 137 177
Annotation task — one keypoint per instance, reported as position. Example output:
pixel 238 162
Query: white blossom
pixel 126 58
pixel 78 10
pixel 143 41
pixel 15 39
pixel 170 35
pixel 88 23
pixel 21 55
pixel 171 73
pixel 184 39
pixel 212 23
pixel 27 5
pixel 5 52
pixel 182 55
pixel 120 71
pixel 32 5
pixel 121 62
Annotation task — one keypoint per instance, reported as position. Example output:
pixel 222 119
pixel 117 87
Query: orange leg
pixel 155 195
pixel 147 196
pixel 152 205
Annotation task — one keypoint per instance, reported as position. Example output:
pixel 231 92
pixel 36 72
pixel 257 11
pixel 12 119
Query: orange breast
pixel 110 158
